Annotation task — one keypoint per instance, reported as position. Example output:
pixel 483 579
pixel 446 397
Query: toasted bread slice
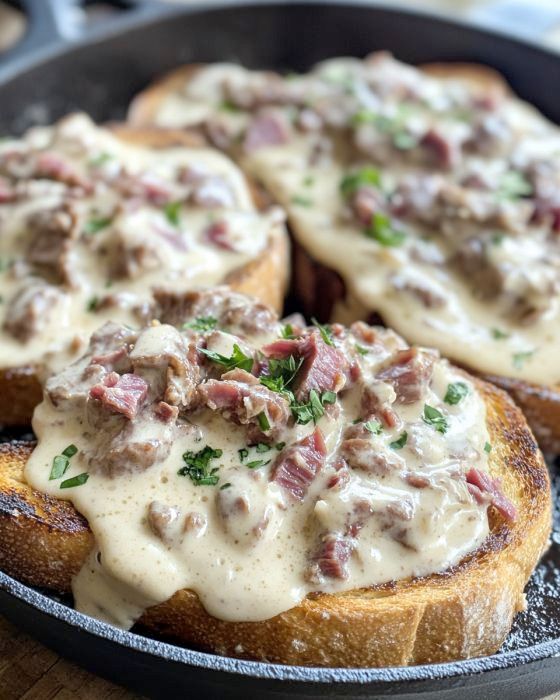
pixel 319 287
pixel 265 277
pixel 466 611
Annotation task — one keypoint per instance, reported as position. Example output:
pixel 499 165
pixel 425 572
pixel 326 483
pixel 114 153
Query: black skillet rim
pixel 205 661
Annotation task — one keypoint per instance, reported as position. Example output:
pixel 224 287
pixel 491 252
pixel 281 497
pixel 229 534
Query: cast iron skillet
pixel 99 73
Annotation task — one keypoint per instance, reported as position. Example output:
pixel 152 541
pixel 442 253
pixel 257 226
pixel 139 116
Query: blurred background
pixel 538 20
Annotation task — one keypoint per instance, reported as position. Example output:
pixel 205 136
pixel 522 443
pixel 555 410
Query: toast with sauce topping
pixel 319 472
pixel 404 151
pixel 56 231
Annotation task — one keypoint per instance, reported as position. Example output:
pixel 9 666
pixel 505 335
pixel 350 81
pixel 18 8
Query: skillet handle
pixel 48 22
pixel 53 24
pixel 526 19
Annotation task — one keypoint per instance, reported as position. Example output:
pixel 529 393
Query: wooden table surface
pixel 30 671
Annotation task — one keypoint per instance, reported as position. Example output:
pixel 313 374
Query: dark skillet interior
pixel 101 77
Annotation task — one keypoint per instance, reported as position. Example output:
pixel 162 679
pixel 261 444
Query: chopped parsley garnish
pixel 172 213
pixel 308 181
pixel 243 453
pixel 400 442
pixel 487 447
pixel 237 359
pixel 455 392
pixel 225 486
pixel 393 126
pixel 435 418
pixel 229 106
pixel 497 238
pixel 264 423
pixel 59 467
pixel 70 451
pixel 281 374
pixel 498 334
pixel 92 304
pixel 325 331
pixel 262 447
pixel 100 160
pixel 78 480
pixel 373 426
pixel 280 446
pixel 352 182
pixel 202 324
pixel 361 350
pixel 313 409
pixel 62 461
pixel 287 331
pixel 519 358
pixel 256 463
pixel 381 230
pixel 404 140
pixel 197 466
pixel 514 185
pixel 302 201
pixel 97 224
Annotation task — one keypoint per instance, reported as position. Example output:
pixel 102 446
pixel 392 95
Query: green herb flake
pixel 59 467
pixel 97 224
pixel 287 332
pixel 92 304
pixel 281 375
pixel 225 486
pixel 309 181
pixel 373 426
pixel 497 238
pixel 257 463
pixel 100 160
pixel 487 447
pixel 514 185
pixel 197 466
pixel 262 447
pixel 280 446
pixel 365 177
pixel 400 442
pixel 325 331
pixel 361 350
pixel 435 418
pixel 78 480
pixel 455 392
pixel 301 201
pixel 328 397
pixel 519 358
pixel 172 213
pixel 243 453
pixel 70 451
pixel 264 423
pixel 382 231
pixel 202 324
pixel 236 359
pixel 404 140
pixel 498 334
pixel 229 106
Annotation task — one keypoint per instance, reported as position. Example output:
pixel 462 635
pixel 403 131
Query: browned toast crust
pixel 318 288
pixel 265 278
pixel 464 612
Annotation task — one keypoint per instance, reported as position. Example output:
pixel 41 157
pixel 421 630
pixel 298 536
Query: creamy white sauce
pixel 466 328
pixel 237 574
pixel 185 259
